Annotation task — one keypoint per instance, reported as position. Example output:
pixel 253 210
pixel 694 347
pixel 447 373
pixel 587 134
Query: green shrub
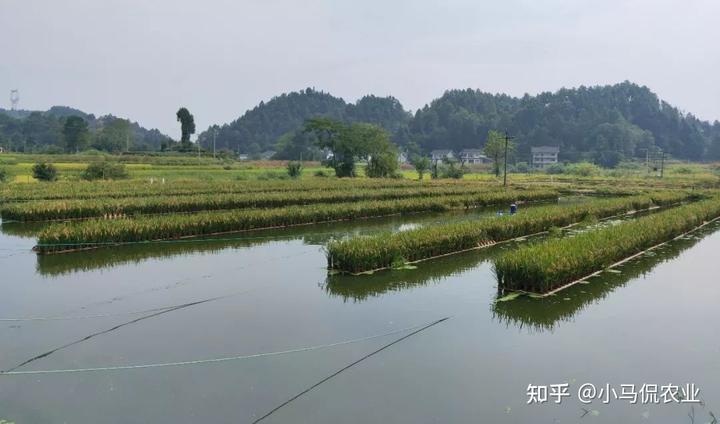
pixel 44 171
pixel 104 171
pixel 4 176
pixel 522 167
pixel 684 170
pixel 555 169
pixel 294 169
pixel 583 169
pixel 321 173
pixel 382 165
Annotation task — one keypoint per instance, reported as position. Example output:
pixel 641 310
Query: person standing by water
pixel 513 208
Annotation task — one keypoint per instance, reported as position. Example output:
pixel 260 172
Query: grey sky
pixel 142 59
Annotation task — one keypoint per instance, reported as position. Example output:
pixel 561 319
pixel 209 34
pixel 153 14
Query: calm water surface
pixel 655 322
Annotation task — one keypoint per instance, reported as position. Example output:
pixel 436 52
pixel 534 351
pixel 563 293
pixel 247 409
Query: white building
pixel 403 158
pixel 473 156
pixel 438 155
pixel 544 156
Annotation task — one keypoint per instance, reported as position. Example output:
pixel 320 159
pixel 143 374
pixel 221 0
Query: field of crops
pixel 145 188
pixel 551 264
pixel 362 254
pixel 90 208
pixel 62 236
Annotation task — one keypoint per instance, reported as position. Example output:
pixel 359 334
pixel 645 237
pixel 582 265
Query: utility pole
pixel 214 136
pixel 127 143
pixel 507 139
pixel 662 164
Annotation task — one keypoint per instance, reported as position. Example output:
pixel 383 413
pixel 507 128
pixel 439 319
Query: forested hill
pixel 41 131
pixel 260 128
pixel 604 123
pixel 596 123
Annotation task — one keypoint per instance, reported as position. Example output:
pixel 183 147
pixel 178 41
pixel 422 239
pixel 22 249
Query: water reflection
pixel 21 229
pixel 360 288
pixel 544 314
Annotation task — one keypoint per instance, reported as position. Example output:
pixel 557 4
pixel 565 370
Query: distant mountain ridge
pixel 604 124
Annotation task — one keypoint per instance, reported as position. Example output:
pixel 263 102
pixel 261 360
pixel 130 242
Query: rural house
pixel 473 156
pixel 544 156
pixel 438 155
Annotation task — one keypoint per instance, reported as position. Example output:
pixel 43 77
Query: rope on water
pixel 223 359
pixel 346 367
pixel 67 318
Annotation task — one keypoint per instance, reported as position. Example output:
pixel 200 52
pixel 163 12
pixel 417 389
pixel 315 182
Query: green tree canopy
pixel 187 124
pixel 495 149
pixel 348 143
pixel 115 137
pixel 75 134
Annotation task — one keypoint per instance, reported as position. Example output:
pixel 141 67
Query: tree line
pixel 63 129
pixel 602 124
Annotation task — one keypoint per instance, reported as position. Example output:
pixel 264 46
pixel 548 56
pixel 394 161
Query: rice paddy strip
pixel 368 253
pixel 555 263
pixel 95 232
pixel 143 188
pixel 95 208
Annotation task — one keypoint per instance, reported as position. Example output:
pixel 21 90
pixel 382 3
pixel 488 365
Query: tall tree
pixel 115 136
pixel 75 133
pixel 495 149
pixel 347 143
pixel 187 125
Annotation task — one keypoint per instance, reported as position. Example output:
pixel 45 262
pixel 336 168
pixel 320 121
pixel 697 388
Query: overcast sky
pixel 142 59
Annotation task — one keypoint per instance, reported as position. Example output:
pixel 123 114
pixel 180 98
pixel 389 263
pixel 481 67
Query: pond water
pixel 654 322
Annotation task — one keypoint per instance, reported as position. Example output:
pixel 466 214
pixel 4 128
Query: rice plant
pixel 78 234
pixel 556 262
pixel 92 208
pixel 360 254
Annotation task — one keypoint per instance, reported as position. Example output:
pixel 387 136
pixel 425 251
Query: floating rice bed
pixel 143 188
pixel 136 188
pixel 559 263
pixel 69 236
pixel 371 253
pixel 107 208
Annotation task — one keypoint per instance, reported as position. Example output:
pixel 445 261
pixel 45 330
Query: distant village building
pixel 403 158
pixel 242 156
pixel 267 155
pixel 438 155
pixel 544 156
pixel 2 149
pixel 473 156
